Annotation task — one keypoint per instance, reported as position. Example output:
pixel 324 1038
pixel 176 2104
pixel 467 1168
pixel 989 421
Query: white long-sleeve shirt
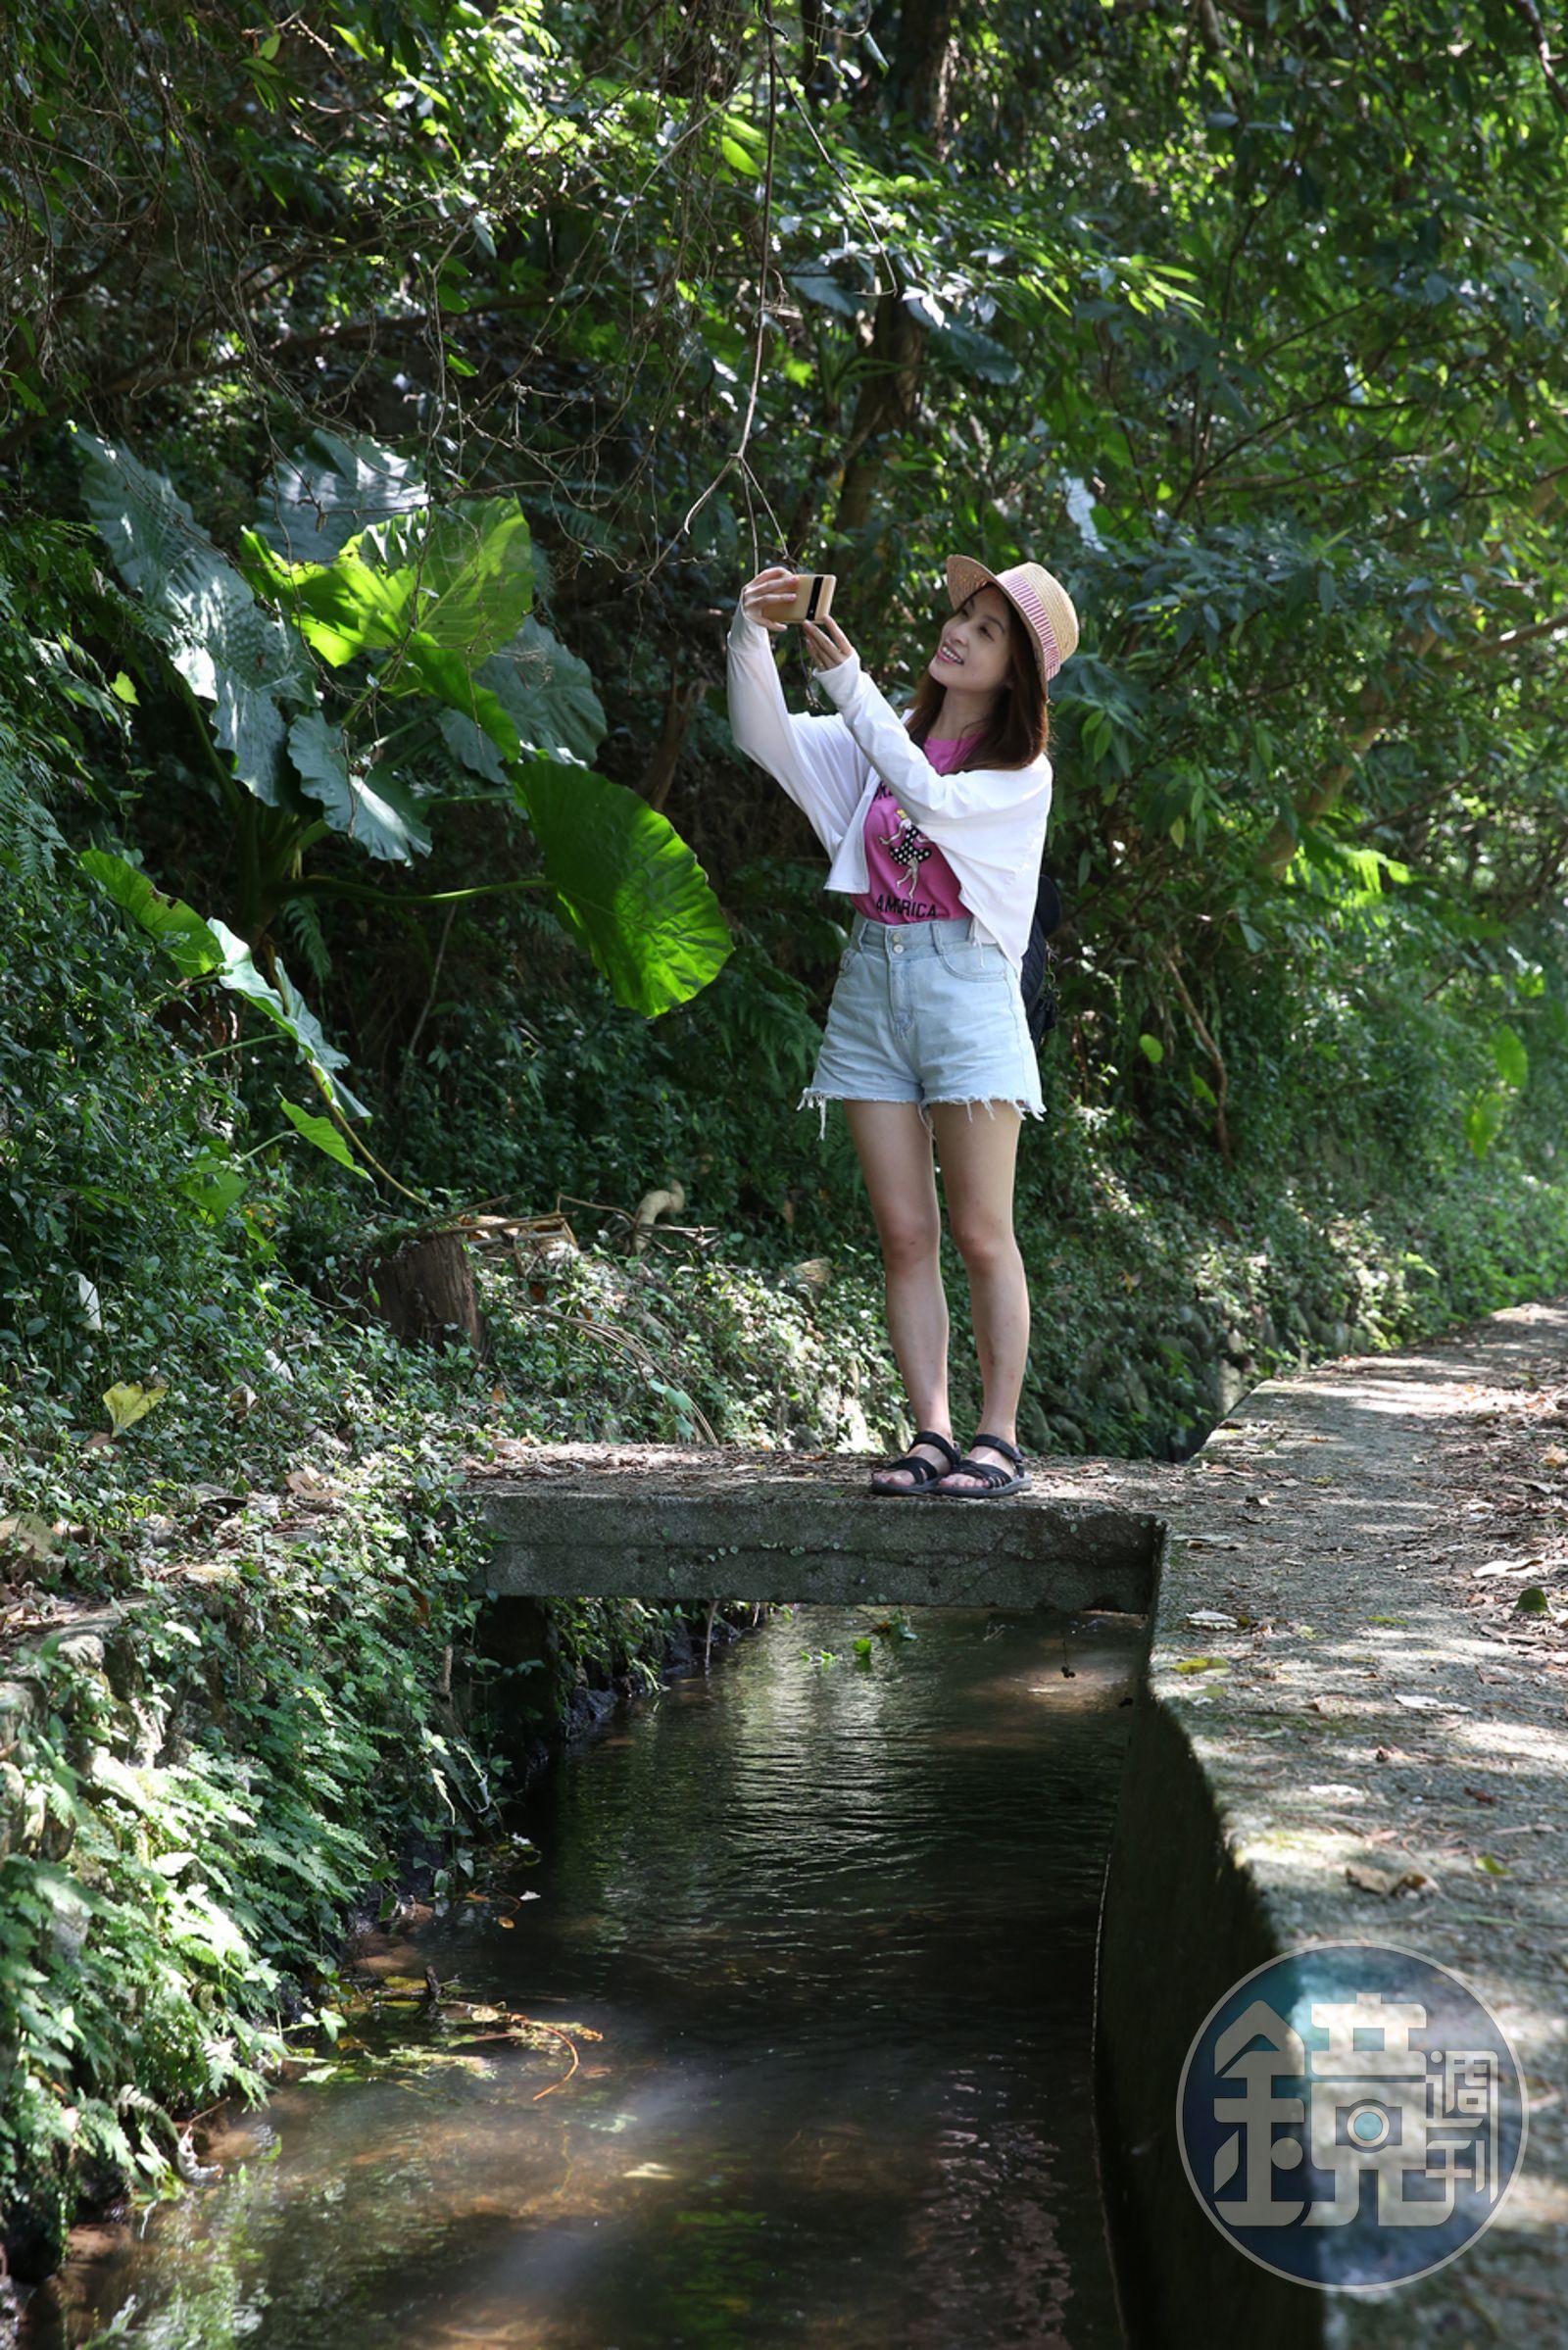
pixel 988 822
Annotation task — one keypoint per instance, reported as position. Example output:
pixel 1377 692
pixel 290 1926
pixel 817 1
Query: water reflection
pixel 835 1925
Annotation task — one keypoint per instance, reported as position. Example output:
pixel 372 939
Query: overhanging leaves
pixel 963 347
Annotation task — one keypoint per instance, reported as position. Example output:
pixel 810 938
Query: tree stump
pixel 426 1294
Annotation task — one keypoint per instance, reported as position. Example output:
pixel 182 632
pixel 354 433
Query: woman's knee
pixel 985 1242
pixel 910 1238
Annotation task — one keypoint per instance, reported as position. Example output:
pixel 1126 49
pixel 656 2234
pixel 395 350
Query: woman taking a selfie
pixel 934 827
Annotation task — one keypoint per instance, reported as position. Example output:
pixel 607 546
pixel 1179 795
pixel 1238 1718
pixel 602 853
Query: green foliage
pixel 230 653
pixel 211 950
pixel 269 1732
pixel 50 694
pixel 431 662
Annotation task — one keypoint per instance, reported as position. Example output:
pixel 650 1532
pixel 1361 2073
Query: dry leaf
pixel 33 1537
pixel 1386 1882
pixel 306 1484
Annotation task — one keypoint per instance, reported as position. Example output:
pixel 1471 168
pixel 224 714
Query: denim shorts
pixel 923 1012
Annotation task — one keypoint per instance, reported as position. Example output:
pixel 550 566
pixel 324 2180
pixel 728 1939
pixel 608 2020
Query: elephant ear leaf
pixel 625 885
pixel 314 504
pixel 178 928
pixel 548 693
pixel 230 651
pixel 288 1012
pixel 374 808
pixel 472 565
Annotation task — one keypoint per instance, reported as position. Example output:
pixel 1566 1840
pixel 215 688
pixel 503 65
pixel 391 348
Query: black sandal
pixel 923 1474
pixel 997 1479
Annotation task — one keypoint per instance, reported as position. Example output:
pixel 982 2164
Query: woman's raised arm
pixel 814 758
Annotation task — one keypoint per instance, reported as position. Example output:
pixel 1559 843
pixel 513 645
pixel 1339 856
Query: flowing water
pixel 834 1922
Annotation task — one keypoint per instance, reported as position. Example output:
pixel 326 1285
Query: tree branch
pixel 1529 13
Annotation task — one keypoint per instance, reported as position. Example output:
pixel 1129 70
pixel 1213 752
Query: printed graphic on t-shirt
pixel 898 852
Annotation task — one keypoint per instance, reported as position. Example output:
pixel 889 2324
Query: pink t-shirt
pixel 909 880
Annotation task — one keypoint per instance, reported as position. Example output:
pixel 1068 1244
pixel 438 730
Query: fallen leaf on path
pixel 307 1485
pixel 1388 1882
pixel 28 1533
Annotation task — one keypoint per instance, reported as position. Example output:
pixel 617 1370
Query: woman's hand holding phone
pixel 827 644
pixel 769 596
pixel 773 598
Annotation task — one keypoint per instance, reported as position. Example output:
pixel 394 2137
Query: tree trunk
pixel 922 58
pixel 923 62
pixel 682 702
pixel 886 410
pixel 425 1293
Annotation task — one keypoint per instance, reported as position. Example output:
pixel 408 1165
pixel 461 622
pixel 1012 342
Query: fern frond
pixel 303 924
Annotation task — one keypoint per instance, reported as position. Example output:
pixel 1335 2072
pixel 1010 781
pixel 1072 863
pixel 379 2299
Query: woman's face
pixel 975 654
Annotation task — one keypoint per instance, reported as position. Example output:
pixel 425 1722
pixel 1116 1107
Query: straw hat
pixel 1041 603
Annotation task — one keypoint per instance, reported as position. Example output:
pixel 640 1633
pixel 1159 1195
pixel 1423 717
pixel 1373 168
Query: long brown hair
pixel 1019 725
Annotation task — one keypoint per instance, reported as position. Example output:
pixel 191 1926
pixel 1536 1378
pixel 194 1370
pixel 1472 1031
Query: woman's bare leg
pixel 894 1145
pixel 979 1154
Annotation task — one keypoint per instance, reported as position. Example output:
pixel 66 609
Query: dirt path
pixel 1382 1729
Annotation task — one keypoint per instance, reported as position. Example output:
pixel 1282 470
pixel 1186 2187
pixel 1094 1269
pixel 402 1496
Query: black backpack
pixel 1038 995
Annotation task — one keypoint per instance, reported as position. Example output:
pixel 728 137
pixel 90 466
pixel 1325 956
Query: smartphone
pixel 813 598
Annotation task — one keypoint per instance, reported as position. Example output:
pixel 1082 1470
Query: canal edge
pixel 1318 1768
